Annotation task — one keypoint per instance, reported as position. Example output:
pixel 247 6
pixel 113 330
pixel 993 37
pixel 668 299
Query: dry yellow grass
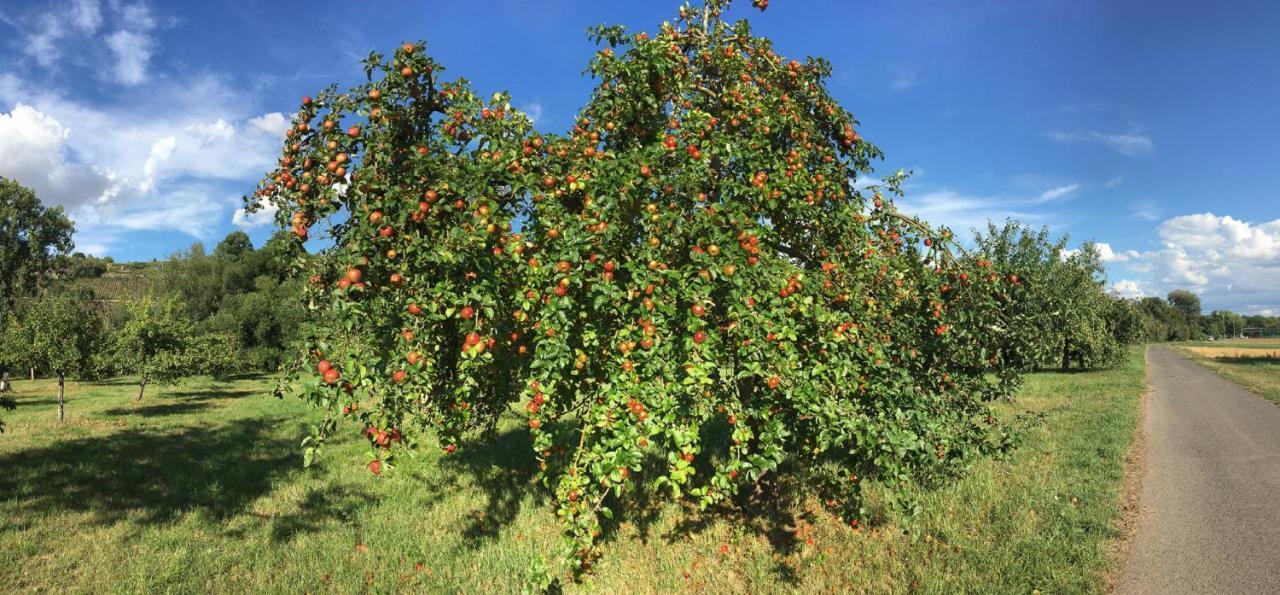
pixel 1260 352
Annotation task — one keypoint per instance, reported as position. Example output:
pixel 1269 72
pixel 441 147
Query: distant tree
pixel 264 321
pixel 151 342
pixel 213 354
pixel 82 266
pixel 1188 305
pixel 59 333
pixel 1222 324
pixel 32 237
pixel 197 279
pixel 235 245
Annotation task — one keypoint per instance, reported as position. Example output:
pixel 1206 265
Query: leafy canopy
pixel 686 288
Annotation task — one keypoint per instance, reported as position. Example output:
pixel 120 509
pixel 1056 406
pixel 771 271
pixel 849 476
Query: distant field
pixel 199 488
pixel 1239 344
pixel 1257 368
pixel 1261 352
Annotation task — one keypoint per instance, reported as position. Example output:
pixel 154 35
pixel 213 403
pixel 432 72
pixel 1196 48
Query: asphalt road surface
pixel 1209 512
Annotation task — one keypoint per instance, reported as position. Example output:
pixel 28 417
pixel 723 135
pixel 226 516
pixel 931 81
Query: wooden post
pixel 62 409
pixel 141 387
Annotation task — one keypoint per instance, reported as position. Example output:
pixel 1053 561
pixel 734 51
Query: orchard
pixel 684 290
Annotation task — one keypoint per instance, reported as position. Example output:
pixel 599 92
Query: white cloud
pixel 34 151
pixel 42 43
pixel 137 17
pixel 1107 254
pixel 1113 182
pixel 275 123
pixel 132 52
pixel 904 77
pixel 161 151
pixel 265 215
pixel 534 111
pixel 1129 288
pixel 1145 210
pixel 1131 143
pixel 86 15
pixel 209 133
pixel 1055 193
pixel 963 212
pixel 1231 263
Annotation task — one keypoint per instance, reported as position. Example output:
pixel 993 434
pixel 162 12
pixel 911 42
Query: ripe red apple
pixel 398 376
pixel 415 309
pixel 375 467
pixel 467 312
pixel 698 310
pixel 354 275
pixel 699 337
pixel 324 366
pixel 331 376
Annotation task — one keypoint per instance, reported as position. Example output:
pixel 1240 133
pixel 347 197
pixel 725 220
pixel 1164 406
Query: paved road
pixel 1209 519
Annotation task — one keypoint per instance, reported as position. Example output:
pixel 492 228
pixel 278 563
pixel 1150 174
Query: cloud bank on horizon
pixel 148 127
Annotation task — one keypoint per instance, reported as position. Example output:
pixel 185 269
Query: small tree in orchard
pixel 57 334
pixel 151 342
pixel 1064 315
pixel 686 289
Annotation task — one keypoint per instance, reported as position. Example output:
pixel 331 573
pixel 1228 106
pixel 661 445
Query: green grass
pixel 1259 375
pixel 199 488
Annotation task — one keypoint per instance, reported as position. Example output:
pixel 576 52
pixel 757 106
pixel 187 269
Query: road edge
pixel 1135 471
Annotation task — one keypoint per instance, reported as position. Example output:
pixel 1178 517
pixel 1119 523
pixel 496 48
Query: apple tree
pixel 151 342
pixel 58 333
pixel 685 289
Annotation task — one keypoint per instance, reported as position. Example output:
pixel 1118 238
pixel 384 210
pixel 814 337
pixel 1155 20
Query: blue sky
pixel 1151 127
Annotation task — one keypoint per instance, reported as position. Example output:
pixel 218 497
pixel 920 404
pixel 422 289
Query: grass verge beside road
pixel 200 487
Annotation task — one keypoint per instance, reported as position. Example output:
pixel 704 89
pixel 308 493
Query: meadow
pixel 200 487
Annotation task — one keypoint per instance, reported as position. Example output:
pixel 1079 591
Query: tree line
pixel 238 310
pixel 66 314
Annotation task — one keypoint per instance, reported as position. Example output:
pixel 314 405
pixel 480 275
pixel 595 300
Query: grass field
pixel 199 488
pixel 1271 344
pixel 1255 367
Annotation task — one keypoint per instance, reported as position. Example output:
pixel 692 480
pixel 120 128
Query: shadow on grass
pixel 153 478
pixel 1249 361
pixel 201 394
pixel 23 402
pixel 502 468
pixel 180 408
pixel 317 509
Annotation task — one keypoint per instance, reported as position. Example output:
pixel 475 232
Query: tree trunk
pixel 1066 357
pixel 33 372
pixel 141 387
pixel 62 408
